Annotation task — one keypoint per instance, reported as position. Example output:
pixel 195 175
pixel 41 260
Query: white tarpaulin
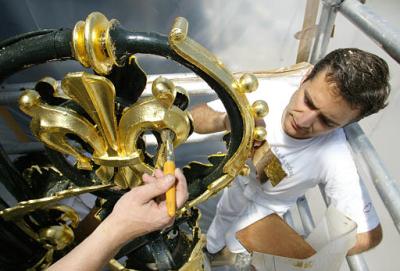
pixel 332 238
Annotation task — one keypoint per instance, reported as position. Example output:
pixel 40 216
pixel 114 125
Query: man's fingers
pixel 181 188
pixel 158 173
pixel 149 191
pixel 147 178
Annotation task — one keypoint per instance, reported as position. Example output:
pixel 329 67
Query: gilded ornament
pixel 164 90
pixel 260 109
pixel 274 171
pixel 92 44
pixel 260 133
pixel 179 29
pixel 248 83
pixel 197 55
pixel 114 144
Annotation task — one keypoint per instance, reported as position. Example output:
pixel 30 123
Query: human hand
pixel 260 158
pixel 139 212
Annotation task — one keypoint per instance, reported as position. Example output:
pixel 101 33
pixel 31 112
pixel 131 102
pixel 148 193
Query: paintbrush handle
pixel 169 168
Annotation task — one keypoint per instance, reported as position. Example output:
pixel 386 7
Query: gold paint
pixel 78 42
pixel 212 189
pixel 69 214
pixel 105 174
pixel 114 265
pixel 303 264
pixel 260 133
pixel 274 171
pixel 96 94
pixel 54 237
pixel 126 177
pixel 197 257
pixel 248 83
pixel 109 43
pixel 25 207
pixel 260 109
pixel 95 29
pixel 164 90
pixel 151 114
pixel 114 146
pixel 179 29
pixel 197 55
pixel 58 236
pixel 51 124
pixel 92 45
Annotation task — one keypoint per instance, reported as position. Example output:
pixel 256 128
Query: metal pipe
pixel 387 187
pixel 289 219
pixel 374 26
pixel 357 263
pixel 325 27
pixel 21 148
pixel 305 215
pixel 9 97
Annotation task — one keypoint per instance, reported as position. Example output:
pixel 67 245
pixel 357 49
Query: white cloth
pixel 325 160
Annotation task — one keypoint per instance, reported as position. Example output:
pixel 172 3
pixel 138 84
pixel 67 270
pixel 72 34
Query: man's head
pixel 345 86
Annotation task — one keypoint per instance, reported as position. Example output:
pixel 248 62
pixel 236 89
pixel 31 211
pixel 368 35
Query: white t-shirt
pixel 323 160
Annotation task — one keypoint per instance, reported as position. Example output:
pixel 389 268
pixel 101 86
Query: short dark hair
pixel 362 78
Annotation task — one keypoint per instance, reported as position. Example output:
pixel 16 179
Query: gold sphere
pixel 260 133
pixel 260 109
pixel 248 82
pixel 28 99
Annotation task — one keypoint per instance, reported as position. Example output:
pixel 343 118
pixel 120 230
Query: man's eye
pixel 307 101
pixel 328 123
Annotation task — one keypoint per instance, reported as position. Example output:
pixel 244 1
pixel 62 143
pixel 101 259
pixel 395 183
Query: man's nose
pixel 306 119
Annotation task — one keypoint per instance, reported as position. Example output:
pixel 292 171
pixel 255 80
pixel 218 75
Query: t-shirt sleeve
pixel 217 105
pixel 344 189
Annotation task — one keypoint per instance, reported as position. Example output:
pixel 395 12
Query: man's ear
pixel 306 75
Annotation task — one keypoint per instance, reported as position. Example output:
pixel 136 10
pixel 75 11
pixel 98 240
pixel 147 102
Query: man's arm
pixel 136 213
pixel 206 120
pixel 366 241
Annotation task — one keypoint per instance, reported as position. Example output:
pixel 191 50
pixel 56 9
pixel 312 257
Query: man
pixel 305 135
pixel 136 213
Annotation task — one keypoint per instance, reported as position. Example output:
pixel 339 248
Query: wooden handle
pixel 169 168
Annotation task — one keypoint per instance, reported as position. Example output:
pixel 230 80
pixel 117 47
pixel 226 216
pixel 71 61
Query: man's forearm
pixel 93 253
pixel 366 241
pixel 206 120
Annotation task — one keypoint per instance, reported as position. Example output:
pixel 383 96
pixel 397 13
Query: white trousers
pixel 234 212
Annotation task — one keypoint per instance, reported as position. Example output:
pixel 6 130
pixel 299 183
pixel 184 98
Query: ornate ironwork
pixel 98 123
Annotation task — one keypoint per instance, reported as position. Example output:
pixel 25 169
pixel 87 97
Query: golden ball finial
pixel 28 99
pixel 260 109
pixel 248 82
pixel 260 133
pixel 164 91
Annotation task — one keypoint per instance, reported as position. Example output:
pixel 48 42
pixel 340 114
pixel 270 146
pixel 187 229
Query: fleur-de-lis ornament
pixel 114 142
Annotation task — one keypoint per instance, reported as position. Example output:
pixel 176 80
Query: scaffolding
pixel 388 38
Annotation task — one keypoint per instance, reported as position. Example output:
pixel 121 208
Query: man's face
pixel 316 108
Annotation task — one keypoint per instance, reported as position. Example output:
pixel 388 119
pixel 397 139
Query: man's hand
pixel 136 213
pixel 206 120
pixel 139 212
